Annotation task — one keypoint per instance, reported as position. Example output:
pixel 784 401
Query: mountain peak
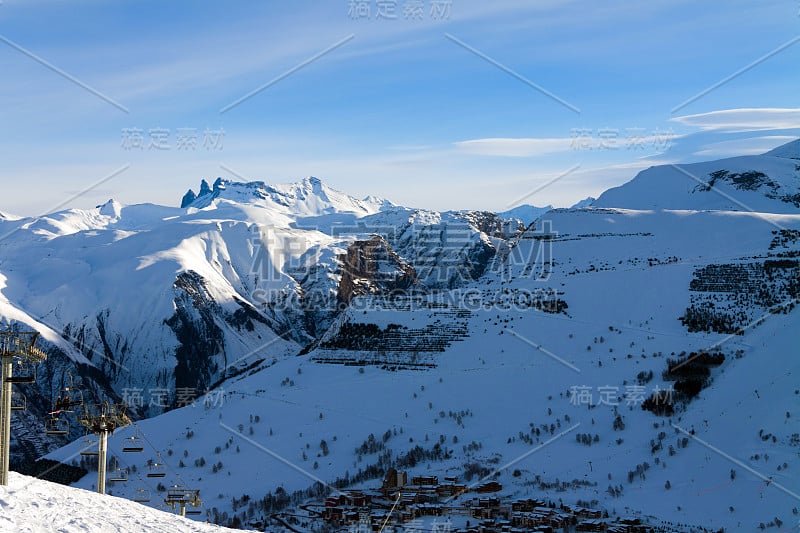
pixel 525 213
pixel 111 208
pixel 586 202
pixel 790 150
pixel 204 188
pixel 307 197
pixel 188 198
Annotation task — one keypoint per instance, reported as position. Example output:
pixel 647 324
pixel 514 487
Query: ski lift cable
pixel 161 460
pixel 142 481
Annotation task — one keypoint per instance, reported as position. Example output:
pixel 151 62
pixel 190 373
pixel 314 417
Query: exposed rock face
pixel 188 198
pixel 372 267
pixel 492 225
pixel 202 341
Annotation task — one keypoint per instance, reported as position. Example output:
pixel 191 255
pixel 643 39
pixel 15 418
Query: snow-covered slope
pixel 768 183
pixel 29 505
pixel 625 282
pixel 155 299
pixel 789 150
pixel 529 352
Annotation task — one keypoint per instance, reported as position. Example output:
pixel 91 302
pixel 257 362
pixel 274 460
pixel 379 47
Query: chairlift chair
pixel 174 494
pixel 71 396
pixel 89 448
pixel 56 426
pixel 118 475
pixel 156 470
pixel 142 496
pixel 69 400
pixel 133 444
pixel 18 401
pixel 23 372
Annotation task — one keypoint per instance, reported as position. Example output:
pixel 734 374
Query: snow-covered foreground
pixel 31 505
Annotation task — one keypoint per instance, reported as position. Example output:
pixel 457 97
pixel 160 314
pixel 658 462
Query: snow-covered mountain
pixel 586 202
pixel 765 183
pixel 309 197
pixel 525 213
pixel 340 337
pixel 155 298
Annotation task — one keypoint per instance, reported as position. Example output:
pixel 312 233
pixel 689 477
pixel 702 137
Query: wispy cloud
pixel 509 147
pixel 536 147
pixel 744 119
pixel 747 146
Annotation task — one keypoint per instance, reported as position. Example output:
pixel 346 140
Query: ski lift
pixel 70 386
pixel 18 401
pixel 23 372
pixel 142 495
pixel 90 449
pixel 118 475
pixel 67 403
pixel 156 470
pixel 195 509
pixel 133 443
pixel 56 426
pixel 175 494
pixel 70 397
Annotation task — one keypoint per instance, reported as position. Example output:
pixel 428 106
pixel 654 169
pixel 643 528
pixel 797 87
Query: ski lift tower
pixel 16 347
pixel 102 419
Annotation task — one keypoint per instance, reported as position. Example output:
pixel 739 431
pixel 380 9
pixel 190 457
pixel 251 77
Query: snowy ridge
pixel 525 213
pixel 309 197
pixel 768 183
pixel 787 151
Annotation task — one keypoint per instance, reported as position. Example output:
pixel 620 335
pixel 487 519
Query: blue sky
pixel 415 109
